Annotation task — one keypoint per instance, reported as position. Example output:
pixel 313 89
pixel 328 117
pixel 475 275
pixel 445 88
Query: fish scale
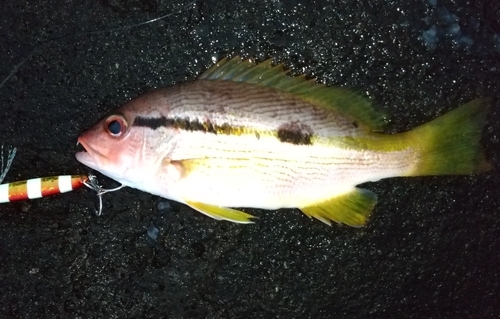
pixel 302 171
pixel 255 107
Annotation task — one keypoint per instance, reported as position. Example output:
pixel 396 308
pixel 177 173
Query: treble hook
pixel 94 185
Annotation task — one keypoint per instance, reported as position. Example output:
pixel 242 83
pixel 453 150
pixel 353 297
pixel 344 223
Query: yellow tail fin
pixel 450 144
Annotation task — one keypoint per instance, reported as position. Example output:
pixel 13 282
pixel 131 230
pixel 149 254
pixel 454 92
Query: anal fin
pixel 222 213
pixel 352 208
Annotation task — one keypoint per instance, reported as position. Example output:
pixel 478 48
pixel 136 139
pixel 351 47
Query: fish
pixel 40 187
pixel 247 134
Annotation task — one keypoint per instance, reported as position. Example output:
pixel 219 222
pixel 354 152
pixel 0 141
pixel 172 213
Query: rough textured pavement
pixel 430 249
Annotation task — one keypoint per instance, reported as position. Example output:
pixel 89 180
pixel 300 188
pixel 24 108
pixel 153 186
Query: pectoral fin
pixel 352 208
pixel 222 213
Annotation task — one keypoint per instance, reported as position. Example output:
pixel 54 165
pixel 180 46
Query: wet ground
pixel 430 249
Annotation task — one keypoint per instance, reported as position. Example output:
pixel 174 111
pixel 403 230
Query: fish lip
pixel 88 156
pixel 86 147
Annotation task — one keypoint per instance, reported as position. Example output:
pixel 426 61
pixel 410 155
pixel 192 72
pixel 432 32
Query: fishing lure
pixel 36 187
pixel 52 185
pixel 40 187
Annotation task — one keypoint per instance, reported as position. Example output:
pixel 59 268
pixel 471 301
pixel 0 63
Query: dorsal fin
pixel 265 74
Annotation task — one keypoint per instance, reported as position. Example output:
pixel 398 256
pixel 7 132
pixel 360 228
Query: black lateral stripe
pixel 293 133
pixel 151 122
pixel 190 125
pixel 186 124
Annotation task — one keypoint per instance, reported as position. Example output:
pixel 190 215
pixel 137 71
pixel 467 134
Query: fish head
pixel 119 150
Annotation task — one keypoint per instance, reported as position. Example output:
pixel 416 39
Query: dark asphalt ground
pixel 430 250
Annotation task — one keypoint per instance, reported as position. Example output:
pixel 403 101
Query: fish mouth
pixel 88 156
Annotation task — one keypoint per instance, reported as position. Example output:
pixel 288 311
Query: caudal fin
pixel 450 144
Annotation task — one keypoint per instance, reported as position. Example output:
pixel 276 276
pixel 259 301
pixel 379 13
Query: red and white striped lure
pixel 41 187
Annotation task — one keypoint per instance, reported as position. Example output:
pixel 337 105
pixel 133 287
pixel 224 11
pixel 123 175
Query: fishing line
pixel 11 153
pixel 42 45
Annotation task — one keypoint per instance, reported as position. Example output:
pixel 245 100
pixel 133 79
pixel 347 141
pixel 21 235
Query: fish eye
pixel 115 125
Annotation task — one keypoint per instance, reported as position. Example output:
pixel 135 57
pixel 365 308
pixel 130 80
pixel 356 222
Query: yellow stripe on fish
pixel 249 135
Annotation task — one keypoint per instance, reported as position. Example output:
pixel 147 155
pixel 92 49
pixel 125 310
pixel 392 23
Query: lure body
pixel 40 187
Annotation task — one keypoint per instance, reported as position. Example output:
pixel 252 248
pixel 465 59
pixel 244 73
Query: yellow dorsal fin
pixel 277 77
pixel 222 213
pixel 352 208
